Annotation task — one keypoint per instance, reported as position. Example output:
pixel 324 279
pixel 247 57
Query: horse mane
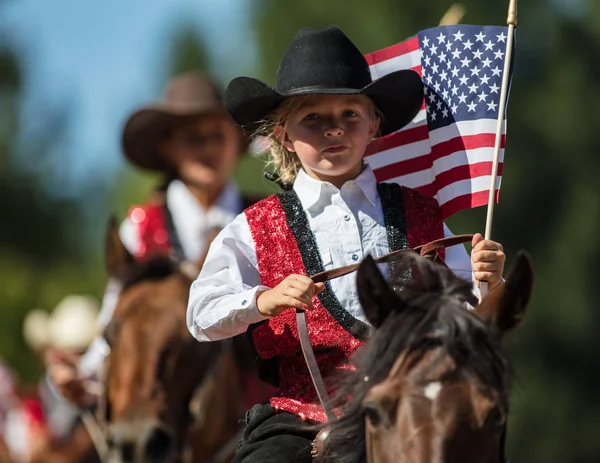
pixel 156 267
pixel 434 317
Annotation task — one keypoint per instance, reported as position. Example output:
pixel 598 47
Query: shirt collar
pixel 180 200
pixel 310 190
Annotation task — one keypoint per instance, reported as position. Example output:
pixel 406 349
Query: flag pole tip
pixel 511 20
pixel 454 15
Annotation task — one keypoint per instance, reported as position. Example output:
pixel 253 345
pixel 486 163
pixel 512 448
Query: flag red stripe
pixel 466 142
pixel 468 201
pixel 427 190
pixel 443 179
pixel 392 52
pixel 401 168
pixel 409 166
pixel 415 134
pixel 396 139
pixel 465 172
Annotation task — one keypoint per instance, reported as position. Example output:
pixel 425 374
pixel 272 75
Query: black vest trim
pixel 395 223
pixel 394 215
pixel 313 263
pixel 174 241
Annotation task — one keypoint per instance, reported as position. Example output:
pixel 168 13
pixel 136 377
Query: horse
pixel 431 384
pixel 76 448
pixel 168 398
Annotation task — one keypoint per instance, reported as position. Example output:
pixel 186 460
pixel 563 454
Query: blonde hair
pixel 285 163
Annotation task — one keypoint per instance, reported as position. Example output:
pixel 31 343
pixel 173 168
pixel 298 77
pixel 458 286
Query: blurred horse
pixel 168 397
pixel 432 384
pixel 77 448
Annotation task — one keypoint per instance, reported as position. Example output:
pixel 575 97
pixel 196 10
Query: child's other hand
pixel 62 367
pixel 294 291
pixel 487 261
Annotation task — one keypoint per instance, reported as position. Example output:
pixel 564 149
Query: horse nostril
pixel 159 445
pixel 128 452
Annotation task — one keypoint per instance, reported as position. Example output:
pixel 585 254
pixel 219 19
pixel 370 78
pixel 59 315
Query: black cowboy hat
pixel 187 95
pixel 325 61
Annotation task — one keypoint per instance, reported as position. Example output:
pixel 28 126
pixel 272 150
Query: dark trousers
pixel 273 437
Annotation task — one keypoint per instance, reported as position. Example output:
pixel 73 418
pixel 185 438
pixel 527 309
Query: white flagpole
pixel 512 22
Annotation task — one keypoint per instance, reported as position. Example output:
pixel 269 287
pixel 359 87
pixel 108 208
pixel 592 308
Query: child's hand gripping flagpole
pixel 512 22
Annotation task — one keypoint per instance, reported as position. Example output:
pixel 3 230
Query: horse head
pixel 432 383
pixel 155 365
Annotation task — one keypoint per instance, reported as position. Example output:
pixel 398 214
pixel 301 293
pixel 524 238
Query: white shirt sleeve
pixel 459 261
pixel 222 301
pixel 93 358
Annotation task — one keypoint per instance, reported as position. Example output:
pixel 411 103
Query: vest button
pixel 347 218
pixel 354 257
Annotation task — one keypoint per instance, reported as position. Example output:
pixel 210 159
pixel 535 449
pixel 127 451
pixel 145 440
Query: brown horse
pixel 77 448
pixel 431 385
pixel 167 395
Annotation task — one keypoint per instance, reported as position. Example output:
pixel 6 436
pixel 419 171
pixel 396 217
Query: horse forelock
pixel 436 318
pixel 156 267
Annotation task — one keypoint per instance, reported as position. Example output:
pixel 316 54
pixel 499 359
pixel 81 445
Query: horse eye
pixel 381 412
pixel 374 414
pixel 494 419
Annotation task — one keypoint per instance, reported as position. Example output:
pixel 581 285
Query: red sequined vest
pixel 284 246
pixel 152 229
pixel 156 232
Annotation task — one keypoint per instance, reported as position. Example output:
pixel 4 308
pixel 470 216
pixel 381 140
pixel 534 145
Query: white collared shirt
pixel 347 224
pixel 190 219
pixel 192 222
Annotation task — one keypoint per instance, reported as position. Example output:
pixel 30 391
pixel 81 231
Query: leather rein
pixel 429 250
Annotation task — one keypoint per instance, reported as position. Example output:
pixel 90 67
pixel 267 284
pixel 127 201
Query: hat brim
pixel 398 96
pixel 144 129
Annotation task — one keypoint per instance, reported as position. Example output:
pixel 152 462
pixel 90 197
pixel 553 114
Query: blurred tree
pixel 41 253
pixel 549 201
pixel 187 51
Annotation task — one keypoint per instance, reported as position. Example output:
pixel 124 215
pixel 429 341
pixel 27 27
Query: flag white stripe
pixel 461 158
pixel 464 128
pixel 415 179
pixel 405 61
pixel 422 148
pixel 465 157
pixel 466 187
pixel 399 153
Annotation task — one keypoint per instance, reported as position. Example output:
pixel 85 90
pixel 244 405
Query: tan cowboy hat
pixel 72 324
pixel 189 94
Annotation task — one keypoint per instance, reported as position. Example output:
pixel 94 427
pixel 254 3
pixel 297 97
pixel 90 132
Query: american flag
pixel 446 152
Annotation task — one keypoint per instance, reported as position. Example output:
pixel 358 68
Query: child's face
pixel 330 134
pixel 204 151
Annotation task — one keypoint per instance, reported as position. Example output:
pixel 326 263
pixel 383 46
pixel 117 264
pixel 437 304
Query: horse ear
pixel 111 332
pixel 378 300
pixel 116 254
pixel 505 307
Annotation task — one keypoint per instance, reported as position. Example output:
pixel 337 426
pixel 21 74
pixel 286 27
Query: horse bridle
pixel 97 425
pixel 428 250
